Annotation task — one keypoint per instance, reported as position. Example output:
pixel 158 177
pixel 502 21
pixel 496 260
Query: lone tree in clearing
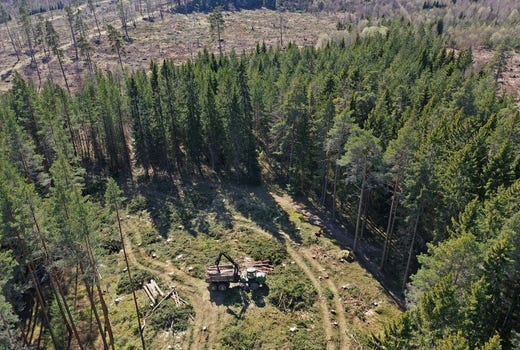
pixel 216 21
pixel 116 43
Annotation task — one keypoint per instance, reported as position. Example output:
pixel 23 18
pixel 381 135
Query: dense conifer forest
pixel 396 135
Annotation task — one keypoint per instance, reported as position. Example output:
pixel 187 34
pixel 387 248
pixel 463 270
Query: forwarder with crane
pixel 220 276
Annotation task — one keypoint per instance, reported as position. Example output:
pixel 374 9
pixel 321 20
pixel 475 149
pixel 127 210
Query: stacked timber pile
pixel 176 298
pixel 261 265
pixel 171 294
pixel 153 291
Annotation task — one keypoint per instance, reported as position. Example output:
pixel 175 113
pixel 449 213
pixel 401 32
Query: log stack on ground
pixel 153 291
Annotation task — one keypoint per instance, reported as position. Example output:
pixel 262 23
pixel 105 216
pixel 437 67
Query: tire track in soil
pixel 325 314
pixel 202 333
pixel 306 264
pixel 341 317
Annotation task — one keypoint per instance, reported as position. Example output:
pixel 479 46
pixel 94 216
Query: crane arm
pixel 222 254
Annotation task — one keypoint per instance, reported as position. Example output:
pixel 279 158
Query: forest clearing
pixel 356 162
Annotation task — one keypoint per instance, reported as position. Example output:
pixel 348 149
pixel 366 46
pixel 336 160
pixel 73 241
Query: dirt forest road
pixel 302 263
pixel 334 319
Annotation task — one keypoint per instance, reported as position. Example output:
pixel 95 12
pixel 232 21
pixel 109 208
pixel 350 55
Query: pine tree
pixel 27 30
pixel 249 159
pixel 171 110
pixel 192 128
pixel 77 223
pixel 157 122
pixel 334 146
pixel 362 160
pixel 114 201
pixel 92 7
pixel 117 44
pixel 4 17
pixel 438 312
pixel 397 157
pixel 85 47
pixel 17 235
pixel 140 130
pixel 216 21
pixel 284 132
pixel 53 42
pixel 212 125
pixel 9 337
pixel 70 20
pixel 499 170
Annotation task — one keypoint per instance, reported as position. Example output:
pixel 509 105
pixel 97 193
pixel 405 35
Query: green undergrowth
pixel 269 328
pixel 248 224
pixel 171 317
pixel 291 290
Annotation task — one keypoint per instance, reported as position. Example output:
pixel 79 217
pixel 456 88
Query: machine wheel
pixel 223 287
pixel 254 285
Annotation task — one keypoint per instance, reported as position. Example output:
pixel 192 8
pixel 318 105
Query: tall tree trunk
pixel 120 60
pixel 334 189
pixel 48 260
pixel 325 183
pixel 63 73
pixel 32 324
pixel 98 155
pixel 360 210
pixel 148 10
pixel 16 51
pixel 219 40
pixel 39 294
pixel 126 151
pixel 33 59
pixel 73 140
pixel 92 8
pixel 40 335
pixel 43 308
pixel 281 30
pixel 123 18
pixel 104 309
pixel 61 308
pixel 93 306
pixel 410 252
pixel 389 226
pixel 70 18
pixel 67 310
pixel 129 275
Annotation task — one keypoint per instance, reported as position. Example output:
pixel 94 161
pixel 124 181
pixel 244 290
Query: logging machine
pixel 219 277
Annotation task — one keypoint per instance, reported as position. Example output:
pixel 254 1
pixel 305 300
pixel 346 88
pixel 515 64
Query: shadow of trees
pixel 237 297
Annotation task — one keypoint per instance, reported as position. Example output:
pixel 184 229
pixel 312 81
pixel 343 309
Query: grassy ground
pixel 175 239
